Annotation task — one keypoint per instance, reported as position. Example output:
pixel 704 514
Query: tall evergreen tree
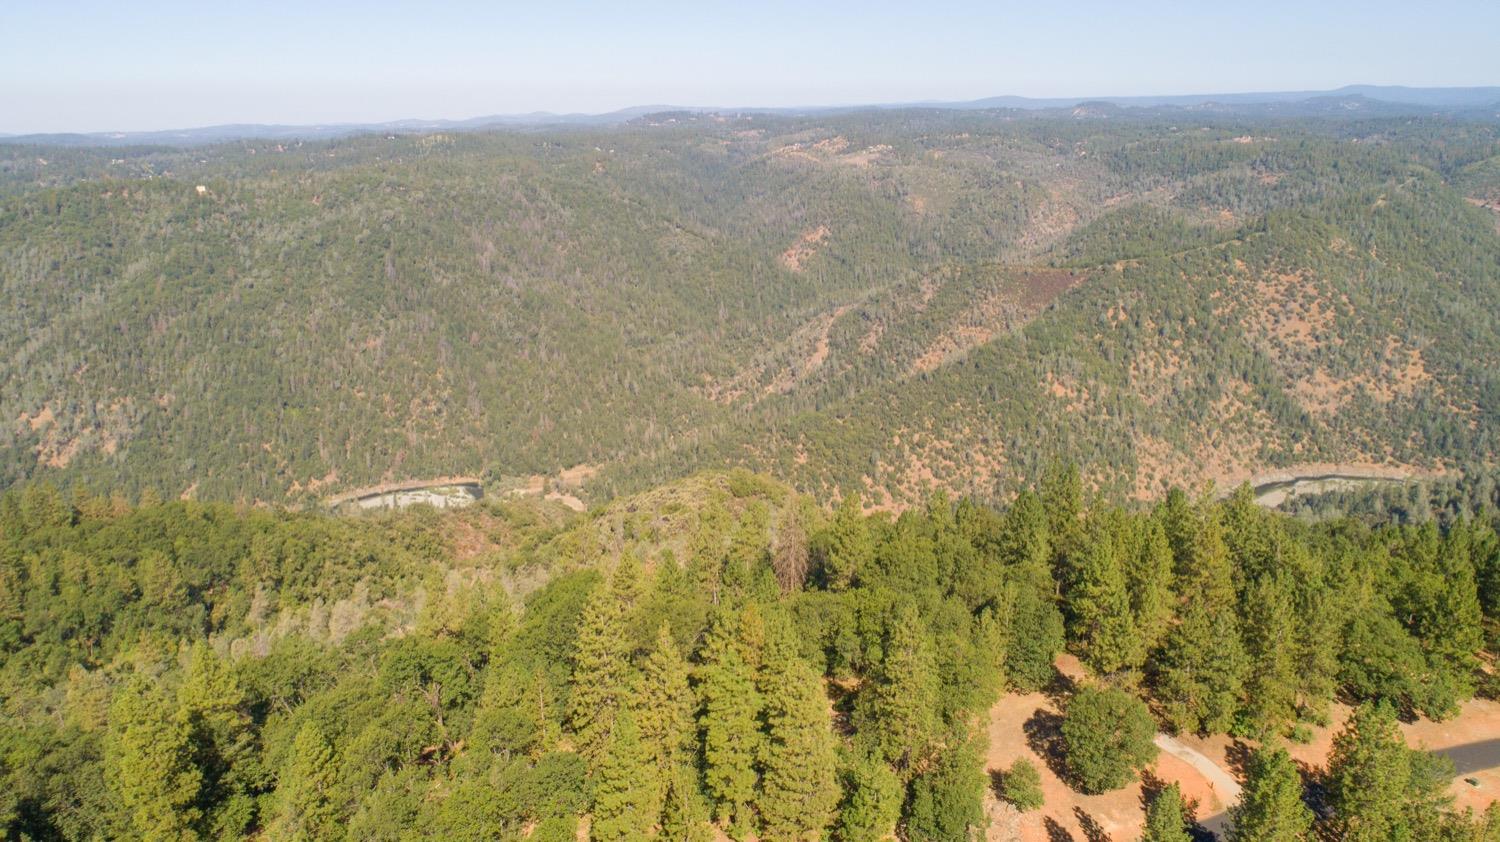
pixel 1152 601
pixel 628 798
pixel 1061 493
pixel 664 704
pixel 212 705
pixel 1369 771
pixel 1180 521
pixel 1165 819
pixel 872 796
pixel 947 800
pixel 729 723
pixel 1270 625
pixel 1099 601
pixel 707 549
pixel 305 809
pixel 684 815
pixel 1202 670
pixel 1270 808
pixel 849 548
pixel 1025 546
pixel 600 672
pixel 1036 636
pixel 150 761
pixel 897 707
pixel 799 790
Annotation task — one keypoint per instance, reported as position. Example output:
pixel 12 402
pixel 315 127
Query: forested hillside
pixel 717 656
pixel 889 300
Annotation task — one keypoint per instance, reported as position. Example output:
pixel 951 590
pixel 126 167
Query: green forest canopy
pixel 721 651
pixel 908 298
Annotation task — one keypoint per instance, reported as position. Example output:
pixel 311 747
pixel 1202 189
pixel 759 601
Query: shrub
pixel 1022 786
pixel 1107 734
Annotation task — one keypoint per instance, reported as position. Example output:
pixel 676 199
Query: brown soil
pixel 805 247
pixel 1493 206
pixel 1471 739
pixel 63 439
pixel 1019 726
pixel 999 310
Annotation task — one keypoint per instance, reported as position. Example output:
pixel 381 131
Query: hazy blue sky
pixel 84 65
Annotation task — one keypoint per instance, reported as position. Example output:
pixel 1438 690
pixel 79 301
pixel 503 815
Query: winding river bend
pixel 1274 489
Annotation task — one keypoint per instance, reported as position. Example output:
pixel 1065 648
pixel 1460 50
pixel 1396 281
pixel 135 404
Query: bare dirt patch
pixel 997 310
pixel 577 475
pixel 783 368
pixel 1024 726
pixel 568 500
pixel 64 438
pixel 830 151
pixel 1492 206
pixel 804 248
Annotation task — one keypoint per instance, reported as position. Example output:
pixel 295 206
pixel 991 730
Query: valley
pixel 856 474
pixel 894 302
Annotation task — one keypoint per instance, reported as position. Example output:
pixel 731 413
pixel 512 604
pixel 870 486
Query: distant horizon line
pixel 540 117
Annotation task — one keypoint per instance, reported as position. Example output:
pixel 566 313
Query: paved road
pixel 1223 783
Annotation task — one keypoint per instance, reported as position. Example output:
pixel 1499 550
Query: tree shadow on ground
pixel 1056 832
pixel 1059 689
pixel 1237 756
pixel 1151 789
pixel 1044 736
pixel 1092 830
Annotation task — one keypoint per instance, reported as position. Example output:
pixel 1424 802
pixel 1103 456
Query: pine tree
pixel 664 704
pixel 1454 631
pixel 850 547
pixel 1035 639
pixel 729 723
pixel 1181 523
pixel 513 715
pixel 872 799
pixel 1022 786
pixel 684 815
pixel 1164 819
pixel 304 805
pixel 627 584
pixel 947 801
pixel 1203 665
pixel 150 762
pixel 707 550
pixel 1103 624
pixel 897 708
pixel 629 795
pixel 1271 645
pixel 1025 547
pixel 799 790
pixel 600 668
pixel 1061 493
pixel 212 706
pixel 749 551
pixel 1152 602
pixel 1320 624
pixel 1369 771
pixel 1270 807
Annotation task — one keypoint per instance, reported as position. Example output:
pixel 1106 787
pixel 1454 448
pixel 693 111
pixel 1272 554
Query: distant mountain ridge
pixel 882 299
pixel 1387 100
